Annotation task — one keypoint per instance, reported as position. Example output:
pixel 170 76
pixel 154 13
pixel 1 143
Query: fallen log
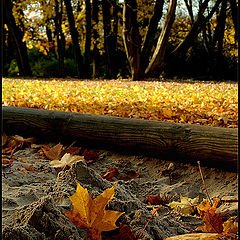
pixel 212 146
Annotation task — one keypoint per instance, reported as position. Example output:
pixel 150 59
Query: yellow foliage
pixel 213 104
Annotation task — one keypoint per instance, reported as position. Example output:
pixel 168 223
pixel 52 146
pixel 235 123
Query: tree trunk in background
pixel 219 30
pixel 96 54
pixel 197 26
pixel 190 10
pixel 149 38
pixel 87 52
pixel 17 36
pixel 235 10
pixel 60 37
pixel 131 38
pixel 156 64
pixel 74 35
pixel 110 43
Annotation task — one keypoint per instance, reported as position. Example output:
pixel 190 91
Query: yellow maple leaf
pixel 185 206
pixel 90 213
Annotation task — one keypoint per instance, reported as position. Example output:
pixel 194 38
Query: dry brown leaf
pixel 54 152
pixel 30 168
pixel 72 150
pixel 112 172
pixel 213 222
pixel 124 232
pixel 90 213
pixel 4 139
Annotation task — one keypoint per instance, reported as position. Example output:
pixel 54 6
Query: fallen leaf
pixel 54 152
pixel 185 206
pixel 213 222
pixel 90 156
pixel 23 170
pixel 30 168
pixel 66 160
pixel 18 142
pixel 112 172
pixel 157 200
pixel 34 146
pixel 130 174
pixel 4 139
pixel 195 236
pixel 90 213
pixel 72 150
pixel 6 162
pixel 230 226
pixel 124 232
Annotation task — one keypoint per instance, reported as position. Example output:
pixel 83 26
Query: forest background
pixel 112 39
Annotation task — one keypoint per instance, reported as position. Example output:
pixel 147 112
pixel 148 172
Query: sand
pixel 33 202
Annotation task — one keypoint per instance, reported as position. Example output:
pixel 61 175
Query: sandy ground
pixel 33 202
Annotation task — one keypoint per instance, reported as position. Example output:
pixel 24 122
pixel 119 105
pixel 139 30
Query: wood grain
pixel 210 145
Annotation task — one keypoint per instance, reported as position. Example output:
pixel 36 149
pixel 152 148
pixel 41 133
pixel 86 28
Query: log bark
pixel 212 146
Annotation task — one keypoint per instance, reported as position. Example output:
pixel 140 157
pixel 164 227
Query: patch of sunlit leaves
pixel 204 103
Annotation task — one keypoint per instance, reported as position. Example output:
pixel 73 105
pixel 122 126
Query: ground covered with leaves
pixel 194 102
pixel 147 198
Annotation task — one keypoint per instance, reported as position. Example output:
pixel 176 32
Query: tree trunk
pixel 60 37
pixel 235 10
pixel 149 38
pixel 109 39
pixel 213 146
pixel 220 28
pixel 131 38
pixel 88 38
pixel 74 35
pixel 156 64
pixel 17 35
pixel 96 54
pixel 199 22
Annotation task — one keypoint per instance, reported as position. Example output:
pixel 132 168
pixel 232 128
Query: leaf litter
pixel 193 102
pixel 146 198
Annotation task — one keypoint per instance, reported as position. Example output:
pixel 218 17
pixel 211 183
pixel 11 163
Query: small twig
pixel 204 182
pixel 149 220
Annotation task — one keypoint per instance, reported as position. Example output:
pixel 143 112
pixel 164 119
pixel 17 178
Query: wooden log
pixel 213 146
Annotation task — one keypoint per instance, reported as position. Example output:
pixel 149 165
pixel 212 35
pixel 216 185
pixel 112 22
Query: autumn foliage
pixel 207 103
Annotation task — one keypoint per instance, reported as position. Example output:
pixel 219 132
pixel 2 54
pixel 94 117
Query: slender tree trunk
pixel 235 10
pixel 199 22
pixel 156 64
pixel 220 28
pixel 17 35
pixel 188 4
pixel 96 54
pixel 131 38
pixel 88 38
pixel 74 35
pixel 60 37
pixel 109 39
pixel 151 34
